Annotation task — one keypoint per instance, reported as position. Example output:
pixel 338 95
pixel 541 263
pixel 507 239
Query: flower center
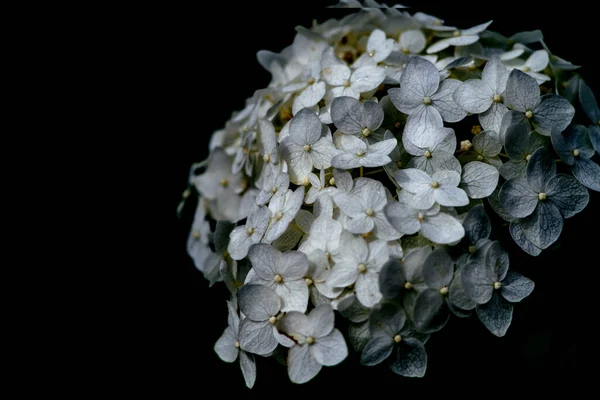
pixel 278 278
pixel 310 340
pixel 366 132
pixel 267 158
pixel 307 147
pixel 278 215
pixel 196 235
pixel 362 268
pixel 224 182
pixel 237 344
pixel 456 34
pixel 250 231
pixel 542 196
pixel 576 152
pixel 332 181
pixel 526 69
pixel 435 184
pixel 274 189
pixel 426 100
pixel 420 217
pixel 272 320
pixel 497 285
pixel 527 157
pixel 346 83
pixel 497 98
pixel 444 291
pixel 465 145
pixel 308 281
pixel 408 285
pixel 310 81
pixel 360 153
pixel 472 249
pixel 427 154
pixel 397 338
pixel 370 212
pixel 528 114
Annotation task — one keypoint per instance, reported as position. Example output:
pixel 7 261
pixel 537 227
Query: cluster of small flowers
pixel 355 183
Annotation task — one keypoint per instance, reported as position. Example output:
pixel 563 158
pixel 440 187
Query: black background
pixel 200 66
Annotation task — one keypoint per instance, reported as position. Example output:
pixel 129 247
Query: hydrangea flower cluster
pixel 360 182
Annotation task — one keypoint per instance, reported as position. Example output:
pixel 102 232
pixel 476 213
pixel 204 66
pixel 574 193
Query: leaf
pixel 515 287
pixel 588 102
pixel 479 179
pixel 496 315
pixel 221 236
pixel 411 358
pixel 302 366
pixel 568 195
pixel 258 302
pixel 527 37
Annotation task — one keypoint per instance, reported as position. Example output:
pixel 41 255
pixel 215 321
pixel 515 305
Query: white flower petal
pixel 302 366
pixel 474 96
pixel 293 294
pixel 442 228
pixel 443 101
pixel 330 350
pixel 367 78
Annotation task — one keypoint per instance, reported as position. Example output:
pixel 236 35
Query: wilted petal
pixel 552 112
pixel 430 314
pixel 496 314
pixel 568 195
pixel 377 349
pixel 544 225
pixel 411 358
pixel 515 287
